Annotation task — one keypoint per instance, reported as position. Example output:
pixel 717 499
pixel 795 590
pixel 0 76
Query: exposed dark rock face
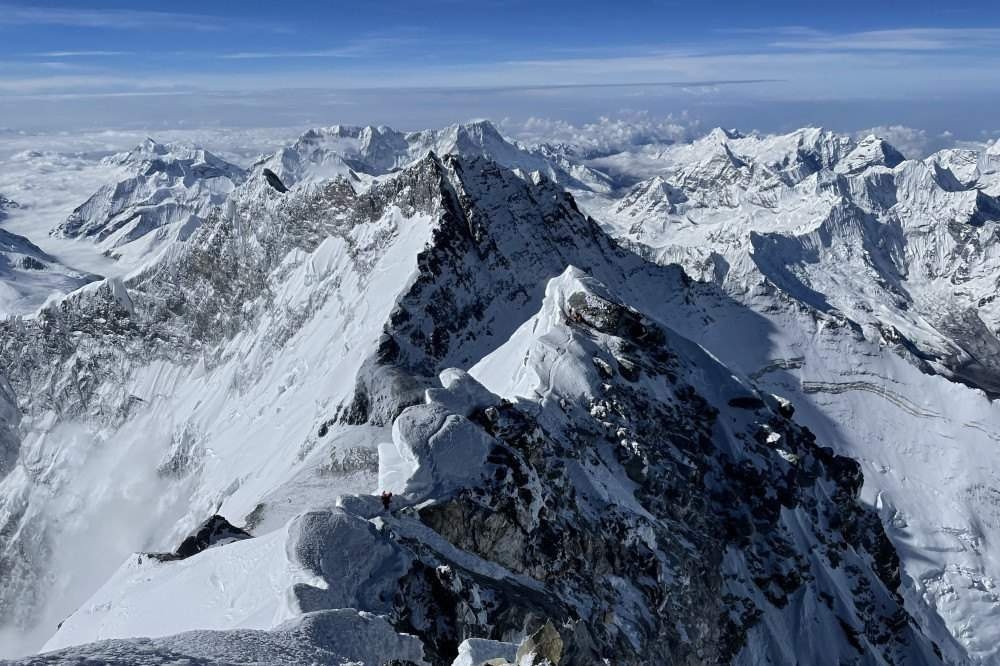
pixel 32 264
pixel 216 531
pixel 543 646
pixel 10 417
pixel 274 181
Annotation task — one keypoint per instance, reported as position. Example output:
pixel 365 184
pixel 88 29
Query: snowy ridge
pixel 318 560
pixel 324 637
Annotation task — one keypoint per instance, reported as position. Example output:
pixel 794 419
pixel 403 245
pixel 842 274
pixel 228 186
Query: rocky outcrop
pixel 592 489
pixel 10 417
pixel 542 647
pixel 216 531
pixel 273 180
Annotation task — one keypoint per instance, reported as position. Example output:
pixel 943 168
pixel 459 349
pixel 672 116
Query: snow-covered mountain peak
pixel 650 199
pixel 335 137
pixel 164 194
pixel 382 148
pixel 151 157
pixel 723 168
pixel 318 155
pixel 870 151
pixel 148 149
pixel 962 165
pixel 473 139
pixel 721 135
pixel 323 154
pixel 469 138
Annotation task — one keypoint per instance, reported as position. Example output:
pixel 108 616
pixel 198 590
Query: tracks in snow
pixel 880 390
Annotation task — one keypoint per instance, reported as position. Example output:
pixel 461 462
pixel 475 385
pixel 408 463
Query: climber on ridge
pixel 386 499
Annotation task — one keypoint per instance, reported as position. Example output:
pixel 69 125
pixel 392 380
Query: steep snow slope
pixel 286 568
pixel 646 502
pixel 915 435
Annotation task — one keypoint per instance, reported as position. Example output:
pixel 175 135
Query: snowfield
pixel 725 400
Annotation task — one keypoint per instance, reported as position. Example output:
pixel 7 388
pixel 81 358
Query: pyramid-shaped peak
pixel 151 145
pixel 148 149
pixel 721 135
pixel 481 126
pixel 877 142
pixel 479 133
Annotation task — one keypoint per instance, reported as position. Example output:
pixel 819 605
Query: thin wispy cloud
pixel 11 86
pixel 805 74
pixel 902 39
pixel 770 31
pixel 369 46
pixel 277 55
pixel 80 17
pixel 111 95
pixel 129 19
pixel 79 54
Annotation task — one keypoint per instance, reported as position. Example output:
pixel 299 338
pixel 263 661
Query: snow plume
pixel 607 135
pixel 98 516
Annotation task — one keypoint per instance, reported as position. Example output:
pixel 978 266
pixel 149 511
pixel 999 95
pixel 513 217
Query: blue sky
pixel 780 64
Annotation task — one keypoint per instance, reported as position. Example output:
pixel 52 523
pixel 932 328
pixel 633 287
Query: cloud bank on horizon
pixel 179 64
